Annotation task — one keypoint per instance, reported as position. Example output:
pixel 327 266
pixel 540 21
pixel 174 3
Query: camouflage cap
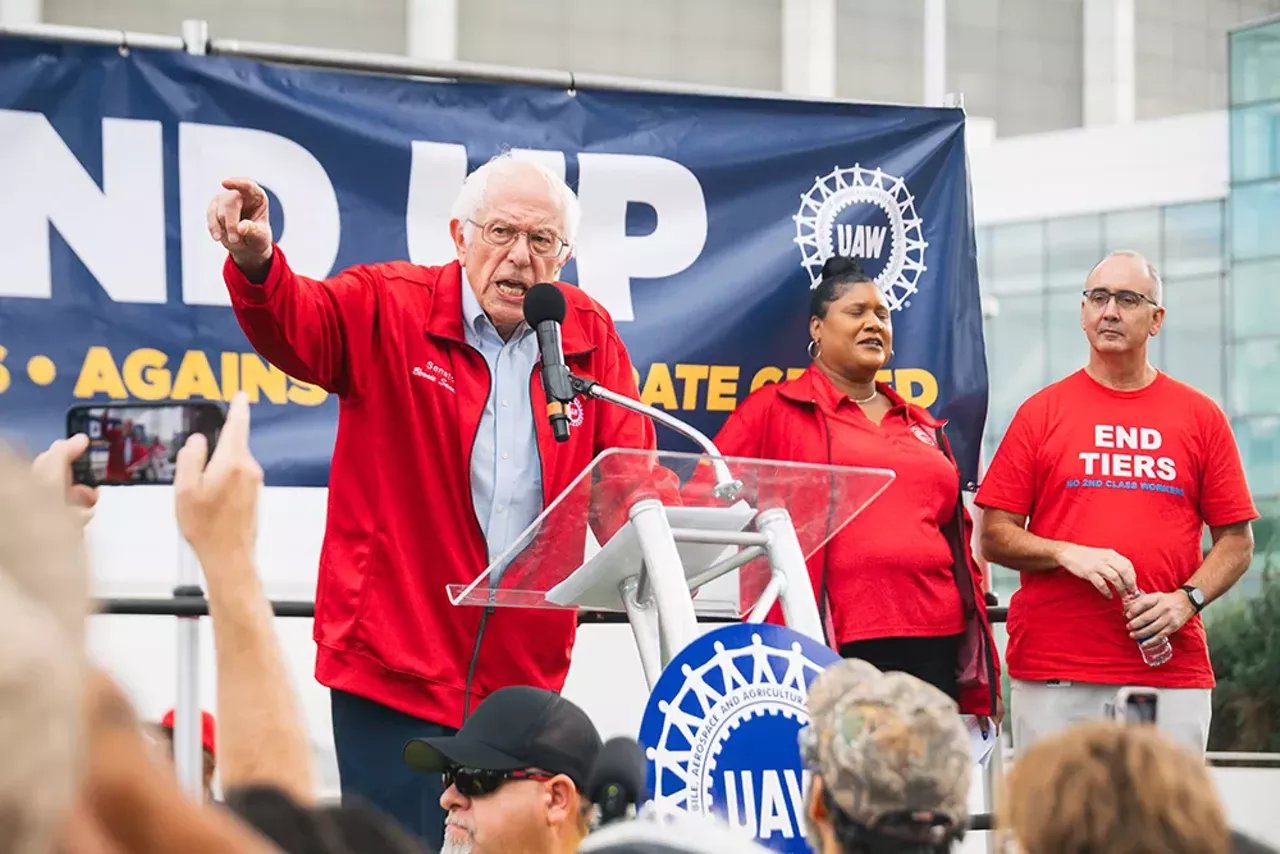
pixel 890 743
pixel 829 686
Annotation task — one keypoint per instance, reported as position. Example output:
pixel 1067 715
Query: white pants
pixel 1040 709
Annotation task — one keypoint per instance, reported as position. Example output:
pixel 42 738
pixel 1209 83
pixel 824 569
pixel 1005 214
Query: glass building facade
pixel 1253 249
pixel 1220 260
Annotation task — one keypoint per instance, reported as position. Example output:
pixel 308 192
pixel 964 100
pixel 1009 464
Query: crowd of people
pixel 889 758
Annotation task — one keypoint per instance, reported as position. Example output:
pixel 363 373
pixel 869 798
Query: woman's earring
pixel 814 349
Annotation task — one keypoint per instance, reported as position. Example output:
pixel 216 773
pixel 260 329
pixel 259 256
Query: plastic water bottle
pixel 1156 655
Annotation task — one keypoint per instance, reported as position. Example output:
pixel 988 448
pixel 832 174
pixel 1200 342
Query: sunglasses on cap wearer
pixel 474 782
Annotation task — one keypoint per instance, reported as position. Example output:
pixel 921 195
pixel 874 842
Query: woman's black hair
pixel 837 274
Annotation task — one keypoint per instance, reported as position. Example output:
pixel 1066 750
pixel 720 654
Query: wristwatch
pixel 1195 595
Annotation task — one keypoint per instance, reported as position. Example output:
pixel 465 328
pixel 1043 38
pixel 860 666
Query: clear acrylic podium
pixel 663 537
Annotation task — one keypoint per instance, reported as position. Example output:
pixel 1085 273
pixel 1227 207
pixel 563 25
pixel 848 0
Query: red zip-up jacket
pixel 797 421
pixel 388 340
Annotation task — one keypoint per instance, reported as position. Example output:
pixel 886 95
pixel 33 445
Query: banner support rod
pixel 92 35
pixel 399 65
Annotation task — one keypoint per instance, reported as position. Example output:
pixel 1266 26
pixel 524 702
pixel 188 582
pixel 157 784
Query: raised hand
pixel 53 469
pixel 217 504
pixel 238 219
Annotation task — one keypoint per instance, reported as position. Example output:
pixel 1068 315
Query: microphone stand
pixel 727 486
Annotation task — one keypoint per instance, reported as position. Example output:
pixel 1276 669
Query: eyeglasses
pixel 474 782
pixel 543 242
pixel 1126 300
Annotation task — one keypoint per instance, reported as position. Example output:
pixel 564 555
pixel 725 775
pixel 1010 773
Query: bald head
pixel 1124 269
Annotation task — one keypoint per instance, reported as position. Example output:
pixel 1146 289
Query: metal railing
pixel 187 602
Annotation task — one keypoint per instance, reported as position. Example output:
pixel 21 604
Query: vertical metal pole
pixel 991 777
pixel 677 623
pixel 646 628
pixel 770 595
pixel 188 752
pixel 188 755
pixel 799 605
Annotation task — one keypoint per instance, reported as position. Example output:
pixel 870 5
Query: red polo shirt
pixel 889 570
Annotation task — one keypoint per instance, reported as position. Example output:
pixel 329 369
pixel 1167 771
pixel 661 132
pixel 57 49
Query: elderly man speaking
pixel 444 455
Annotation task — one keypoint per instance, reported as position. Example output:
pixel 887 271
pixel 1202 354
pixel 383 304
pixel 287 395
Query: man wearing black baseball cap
pixel 514 774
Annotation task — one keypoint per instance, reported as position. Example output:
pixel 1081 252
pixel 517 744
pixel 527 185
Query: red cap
pixel 206 729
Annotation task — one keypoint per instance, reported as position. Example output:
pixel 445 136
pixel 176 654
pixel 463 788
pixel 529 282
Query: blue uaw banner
pixel 705 222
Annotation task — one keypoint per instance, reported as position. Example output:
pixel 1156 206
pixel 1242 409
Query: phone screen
pixel 132 444
pixel 1140 709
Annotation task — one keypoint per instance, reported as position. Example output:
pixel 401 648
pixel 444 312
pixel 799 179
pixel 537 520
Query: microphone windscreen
pixel 543 302
pixel 620 763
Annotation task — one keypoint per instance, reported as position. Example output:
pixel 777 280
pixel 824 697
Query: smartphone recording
pixel 1136 705
pixel 137 443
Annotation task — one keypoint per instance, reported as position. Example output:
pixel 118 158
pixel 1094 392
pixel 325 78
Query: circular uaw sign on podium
pixel 720 729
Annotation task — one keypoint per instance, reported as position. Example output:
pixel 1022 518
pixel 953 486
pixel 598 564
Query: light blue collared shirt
pixel 506 469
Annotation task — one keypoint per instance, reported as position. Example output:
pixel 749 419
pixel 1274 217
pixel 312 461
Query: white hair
pixel 1157 284
pixel 471 198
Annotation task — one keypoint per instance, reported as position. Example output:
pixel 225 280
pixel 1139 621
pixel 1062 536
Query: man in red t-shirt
pixel 1102 484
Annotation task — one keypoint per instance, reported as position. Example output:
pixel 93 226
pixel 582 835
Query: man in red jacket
pixel 437 373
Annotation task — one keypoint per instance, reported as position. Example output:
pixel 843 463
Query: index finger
pixel 246 187
pixel 189 467
pixel 234 437
pixel 1124 567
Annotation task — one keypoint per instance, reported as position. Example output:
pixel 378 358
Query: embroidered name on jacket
pixel 436 374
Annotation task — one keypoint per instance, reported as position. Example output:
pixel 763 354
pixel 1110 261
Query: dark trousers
pixel 931 660
pixel 370 738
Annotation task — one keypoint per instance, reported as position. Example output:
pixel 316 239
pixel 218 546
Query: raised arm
pixel 306 327
pixel 263 737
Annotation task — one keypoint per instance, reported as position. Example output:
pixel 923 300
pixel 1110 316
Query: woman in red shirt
pixel 898 585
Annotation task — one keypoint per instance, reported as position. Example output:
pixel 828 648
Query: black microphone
pixel 544 309
pixel 617 779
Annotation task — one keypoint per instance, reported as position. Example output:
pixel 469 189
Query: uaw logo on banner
pixel 720 729
pixel 869 216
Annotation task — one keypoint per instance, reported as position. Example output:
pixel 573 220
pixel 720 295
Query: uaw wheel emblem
pixel 869 216
pixel 720 730
pixel 574 411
